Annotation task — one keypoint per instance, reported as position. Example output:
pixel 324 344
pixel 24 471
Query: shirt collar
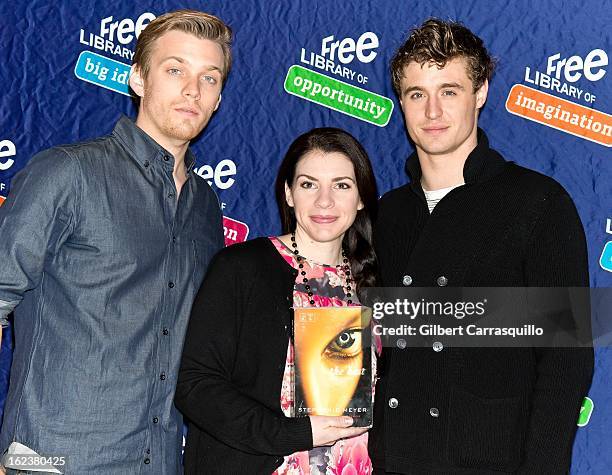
pixel 481 164
pixel 143 148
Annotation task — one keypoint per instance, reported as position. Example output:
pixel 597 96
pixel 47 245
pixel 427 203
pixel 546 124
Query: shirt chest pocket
pixel 206 239
pixel 201 254
pixel 205 243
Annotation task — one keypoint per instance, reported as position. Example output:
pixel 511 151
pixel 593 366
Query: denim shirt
pixel 101 263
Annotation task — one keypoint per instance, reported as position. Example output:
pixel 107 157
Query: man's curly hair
pixel 437 41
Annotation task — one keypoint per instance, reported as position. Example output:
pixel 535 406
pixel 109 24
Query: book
pixel 333 363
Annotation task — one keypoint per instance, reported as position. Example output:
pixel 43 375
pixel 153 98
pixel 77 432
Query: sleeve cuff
pixel 300 435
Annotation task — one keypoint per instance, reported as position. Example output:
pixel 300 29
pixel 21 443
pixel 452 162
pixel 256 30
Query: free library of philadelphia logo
pixel 113 38
pixel 7 152
pixel 561 79
pixel 334 58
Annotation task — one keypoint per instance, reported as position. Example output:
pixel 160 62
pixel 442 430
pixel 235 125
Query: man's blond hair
pixel 200 24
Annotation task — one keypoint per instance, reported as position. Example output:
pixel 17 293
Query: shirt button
pixel 166 158
pixel 171 284
pixel 146 163
pixel 401 343
pixel 407 280
pixel 155 420
pixel 165 331
pixel 442 281
pixel 437 346
pixel 393 403
pixel 171 195
pixel 434 412
pixel 147 461
pixel 162 376
pixel 173 238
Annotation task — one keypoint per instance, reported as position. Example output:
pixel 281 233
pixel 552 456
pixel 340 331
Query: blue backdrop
pixel 62 79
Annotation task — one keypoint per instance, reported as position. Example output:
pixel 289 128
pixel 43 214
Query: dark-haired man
pixel 468 218
pixel 104 245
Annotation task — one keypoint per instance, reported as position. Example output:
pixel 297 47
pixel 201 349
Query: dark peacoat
pixel 480 410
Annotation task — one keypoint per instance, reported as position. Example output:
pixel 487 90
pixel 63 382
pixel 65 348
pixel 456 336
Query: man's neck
pixel 178 149
pixel 440 173
pixel 444 170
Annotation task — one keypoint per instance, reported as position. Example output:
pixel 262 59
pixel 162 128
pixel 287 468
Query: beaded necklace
pixel 345 267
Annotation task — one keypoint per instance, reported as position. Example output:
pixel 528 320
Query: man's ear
pixel 288 195
pixel 136 80
pixel 481 94
pixel 218 102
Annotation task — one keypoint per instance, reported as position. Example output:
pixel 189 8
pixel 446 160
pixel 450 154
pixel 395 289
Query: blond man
pixel 101 261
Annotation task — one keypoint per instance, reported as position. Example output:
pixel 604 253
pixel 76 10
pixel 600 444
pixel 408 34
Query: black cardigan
pixel 500 409
pixel 229 383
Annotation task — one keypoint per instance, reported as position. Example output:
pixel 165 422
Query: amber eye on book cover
pixel 333 363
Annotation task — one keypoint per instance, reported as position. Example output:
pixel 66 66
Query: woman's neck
pixel 320 252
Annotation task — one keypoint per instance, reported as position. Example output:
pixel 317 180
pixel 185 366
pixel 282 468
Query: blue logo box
pixel 605 261
pixel 103 72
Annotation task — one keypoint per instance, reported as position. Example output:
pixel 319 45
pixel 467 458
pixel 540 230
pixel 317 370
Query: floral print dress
pixel 346 457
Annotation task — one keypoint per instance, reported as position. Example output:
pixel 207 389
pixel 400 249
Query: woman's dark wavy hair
pixel 357 242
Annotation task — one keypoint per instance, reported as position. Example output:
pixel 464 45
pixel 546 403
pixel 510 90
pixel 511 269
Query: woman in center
pixel 236 382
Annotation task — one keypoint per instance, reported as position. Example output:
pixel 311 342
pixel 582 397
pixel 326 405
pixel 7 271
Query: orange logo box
pixel 2 198
pixel 560 114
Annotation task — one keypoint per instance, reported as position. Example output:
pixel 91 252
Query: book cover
pixel 333 363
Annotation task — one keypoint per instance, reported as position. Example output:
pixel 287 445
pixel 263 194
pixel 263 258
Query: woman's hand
pixel 326 430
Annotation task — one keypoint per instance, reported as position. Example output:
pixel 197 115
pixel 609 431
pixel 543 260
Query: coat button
pixel 162 376
pixel 442 281
pixel 401 343
pixel 407 280
pixel 166 158
pixel 393 403
pixel 147 461
pixel 434 412
pixel 155 420
pixel 437 346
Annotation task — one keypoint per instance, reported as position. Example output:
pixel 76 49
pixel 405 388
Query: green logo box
pixel 585 411
pixel 338 95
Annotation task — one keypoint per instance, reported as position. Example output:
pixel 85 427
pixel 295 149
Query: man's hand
pixel 326 430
